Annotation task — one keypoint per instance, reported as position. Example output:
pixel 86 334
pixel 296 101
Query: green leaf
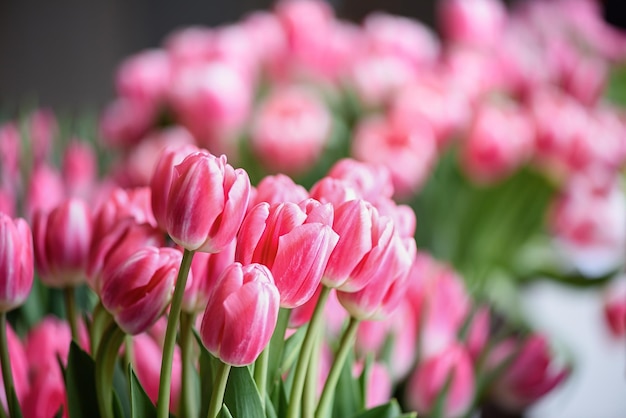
pixel 242 396
pixel 348 398
pixel 208 367
pixel 224 412
pixel 121 390
pixel 140 404
pixel 80 383
pixel 279 400
pixel 276 346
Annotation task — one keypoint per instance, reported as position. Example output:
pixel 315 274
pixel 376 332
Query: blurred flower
pixel 277 189
pixel 477 23
pixel 16 262
pixel 614 307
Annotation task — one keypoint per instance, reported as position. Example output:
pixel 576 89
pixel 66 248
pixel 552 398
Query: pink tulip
pixel 614 307
pixel 474 22
pixel 10 152
pixel 499 140
pixel 277 189
pixel 205 271
pixel 144 77
pixel 293 241
pixel 206 203
pixel 379 386
pixel 124 122
pixel 371 180
pixel 290 131
pixel 431 378
pixel 62 239
pixel 364 243
pixel 334 191
pixel 136 168
pixel 46 397
pixel 45 190
pixel 79 169
pixel 147 352
pixel 7 201
pixel 403 216
pixel 16 262
pixel 478 331
pixel 164 173
pixel 137 291
pixel 241 314
pixel 387 285
pixel 43 128
pixel 120 242
pixel 408 153
pixel 529 376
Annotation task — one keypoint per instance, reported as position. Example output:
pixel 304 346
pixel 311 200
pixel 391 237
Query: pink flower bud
pixel 137 291
pixel 403 216
pixel 62 239
pixel 387 284
pixel 80 169
pixel 124 122
pixel 293 241
pixel 144 77
pixel 46 396
pixel 529 376
pixel 205 271
pixel 47 344
pixel 371 181
pixel 241 314
pixel 277 189
pixel 16 262
pixel 290 131
pixel 45 190
pixel 473 22
pixel 364 241
pixel 500 139
pixel 162 179
pixel 478 333
pixel 334 191
pixel 431 378
pixel 147 353
pixel 206 203
pixel 120 242
pixel 379 386
pixel 408 152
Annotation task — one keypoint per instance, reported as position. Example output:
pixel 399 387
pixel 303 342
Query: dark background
pixel 62 53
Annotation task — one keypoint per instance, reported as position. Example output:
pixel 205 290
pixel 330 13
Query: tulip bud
pixel 451 369
pixel 241 314
pixel 206 203
pixel 62 239
pixel 277 189
pixel 333 190
pixel 45 190
pixel 293 241
pixel 371 181
pixel 144 77
pixel 137 291
pixel 16 262
pixel 79 169
pixel 473 22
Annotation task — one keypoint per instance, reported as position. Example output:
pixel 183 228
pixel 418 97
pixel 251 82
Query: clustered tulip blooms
pixel 298 216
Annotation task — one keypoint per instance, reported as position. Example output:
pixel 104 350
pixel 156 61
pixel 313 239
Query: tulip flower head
pixel 16 262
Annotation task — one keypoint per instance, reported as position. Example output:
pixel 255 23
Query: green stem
pixel 100 321
pixel 312 380
pixel 163 401
pixel 3 413
pixel 70 310
pixel 188 401
pixel 345 345
pixel 260 372
pixel 305 352
pixel 7 374
pixel 105 368
pixel 217 396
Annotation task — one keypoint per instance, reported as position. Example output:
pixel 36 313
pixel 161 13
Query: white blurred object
pixel 573 318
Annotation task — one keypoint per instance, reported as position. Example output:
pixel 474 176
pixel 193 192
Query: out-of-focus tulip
pixel 379 386
pixel 478 333
pixel 431 378
pixel 116 246
pixel 16 262
pixel 371 181
pixel 45 190
pixel 614 307
pixel 293 241
pixel 43 128
pixel 408 153
pixel 290 130
pixel 277 189
pixel 364 243
pixel 499 140
pixel 137 291
pixel 10 152
pixel 205 271
pixel 530 375
pixel 62 239
pixel 79 169
pixel 474 22
pixel 124 122
pixel 147 352
pixel 333 190
pixel 46 397
pixel 144 77
pixel 241 314
pixel 206 203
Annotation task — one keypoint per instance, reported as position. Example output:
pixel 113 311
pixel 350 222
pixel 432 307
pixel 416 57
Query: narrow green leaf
pixel 121 390
pixel 388 410
pixel 140 404
pixel 348 399
pixel 225 412
pixel 80 384
pixel 276 346
pixel 242 397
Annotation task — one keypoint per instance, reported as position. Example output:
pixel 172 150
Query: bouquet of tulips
pixel 297 216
